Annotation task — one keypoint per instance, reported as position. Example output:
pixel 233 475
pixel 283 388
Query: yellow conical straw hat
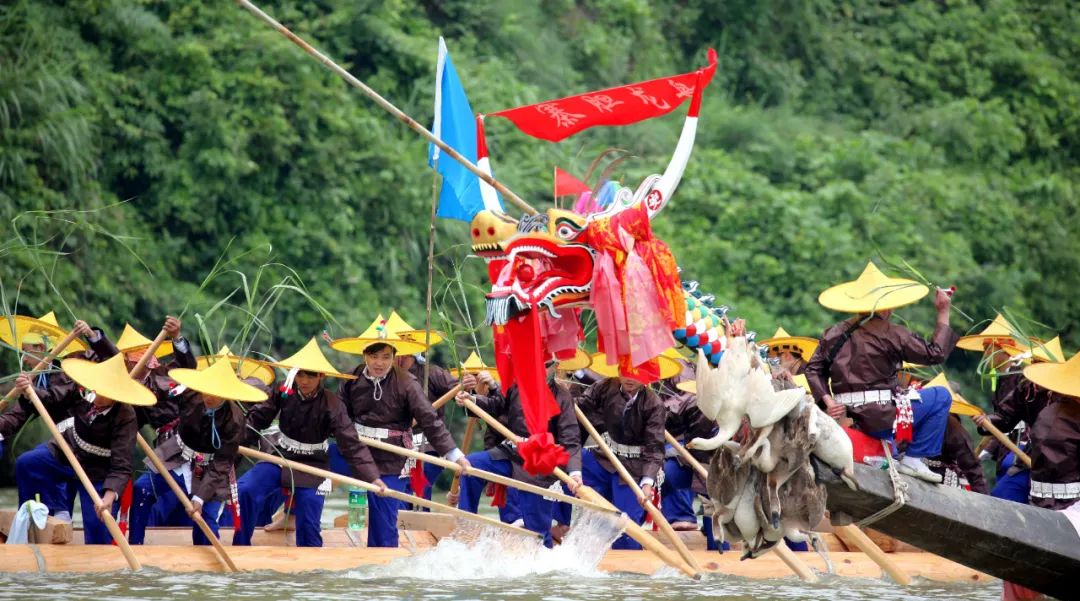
pixel 999 331
pixel 473 365
pixel 399 326
pixel 109 379
pixel 132 341
pixel 782 341
pixel 1062 378
pixel 311 358
pixel 378 332
pixel 218 380
pixel 688 386
pixel 960 405
pixel 669 367
pixel 248 368
pixel 580 360
pixel 42 330
pixel 1049 351
pixel 873 291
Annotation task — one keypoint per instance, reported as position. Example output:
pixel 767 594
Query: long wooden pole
pixel 633 530
pixel 652 510
pixel 182 496
pixel 852 535
pixel 53 354
pixel 140 366
pixel 1005 442
pixel 466 443
pixel 104 512
pixel 486 475
pixel 386 105
pixel 389 492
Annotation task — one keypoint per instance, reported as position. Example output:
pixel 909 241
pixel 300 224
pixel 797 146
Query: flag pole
pixel 386 105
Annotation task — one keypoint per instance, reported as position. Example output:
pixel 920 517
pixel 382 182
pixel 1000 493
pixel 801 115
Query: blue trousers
pixel 1013 488
pixel 611 487
pixel 261 485
pixel 535 510
pixel 38 472
pixel 931 415
pixel 677 499
pixel 383 513
pixel 151 494
pixel 431 473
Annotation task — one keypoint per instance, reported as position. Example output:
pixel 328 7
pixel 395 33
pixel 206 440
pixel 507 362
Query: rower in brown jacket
pixel 853 371
pixel 1055 436
pixel 384 400
pixel 630 417
pixel 308 415
pixel 100 431
pixel 535 510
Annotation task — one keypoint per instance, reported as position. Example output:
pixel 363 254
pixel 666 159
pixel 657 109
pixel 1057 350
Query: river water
pixel 488 568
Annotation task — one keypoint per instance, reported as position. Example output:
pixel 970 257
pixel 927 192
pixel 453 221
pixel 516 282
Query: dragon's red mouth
pixel 540 273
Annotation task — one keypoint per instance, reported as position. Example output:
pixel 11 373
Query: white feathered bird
pixel 723 393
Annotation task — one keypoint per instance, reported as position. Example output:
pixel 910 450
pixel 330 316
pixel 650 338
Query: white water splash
pixel 476 552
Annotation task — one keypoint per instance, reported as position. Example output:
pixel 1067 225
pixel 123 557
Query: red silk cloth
pixel 541 455
pixel 556 120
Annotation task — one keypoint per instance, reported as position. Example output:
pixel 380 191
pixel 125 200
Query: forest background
pixel 142 141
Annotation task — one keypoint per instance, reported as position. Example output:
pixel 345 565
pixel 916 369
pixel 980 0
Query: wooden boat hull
pixel 1034 547
pixel 100 559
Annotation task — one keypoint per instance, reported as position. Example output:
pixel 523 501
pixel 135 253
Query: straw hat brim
pixel 211 382
pixel 1049 351
pixel 356 346
pixel 164 350
pixel 459 373
pixel 669 368
pixel 977 342
pixel 891 293
pixel 804 344
pixel 30 330
pixel 251 368
pixel 1062 378
pixel 581 360
pixel 419 335
pixel 326 372
pixel 109 379
pixel 688 386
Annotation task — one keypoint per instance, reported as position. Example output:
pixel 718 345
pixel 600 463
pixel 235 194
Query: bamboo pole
pixel 104 512
pixel 1004 440
pixel 53 354
pixel 685 454
pixel 633 530
pixel 387 106
pixel 789 558
pixel 852 535
pixel 466 442
pixel 652 510
pixel 140 366
pixel 486 475
pixel 182 496
pixel 387 492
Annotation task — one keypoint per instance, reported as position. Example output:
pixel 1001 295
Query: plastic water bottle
pixel 357 508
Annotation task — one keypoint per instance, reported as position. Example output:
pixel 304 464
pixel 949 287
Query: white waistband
pixel 301 448
pixel 1055 490
pixel 624 450
pixel 93 449
pixel 190 454
pixel 865 397
pixel 376 433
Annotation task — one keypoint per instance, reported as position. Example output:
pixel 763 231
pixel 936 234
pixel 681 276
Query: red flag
pixel 556 120
pixel 568 185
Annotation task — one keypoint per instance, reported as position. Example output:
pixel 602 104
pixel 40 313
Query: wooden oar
pixel 633 530
pixel 140 366
pixel 53 354
pixel 466 442
pixel 852 535
pixel 962 408
pixel 182 496
pixel 652 510
pixel 104 512
pixel 446 398
pixel 486 475
pixel 389 492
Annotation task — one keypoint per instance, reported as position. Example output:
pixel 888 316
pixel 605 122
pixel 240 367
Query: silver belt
pixel 623 450
pixel 93 449
pixel 190 454
pixel 301 448
pixel 382 433
pixel 865 397
pixel 1055 490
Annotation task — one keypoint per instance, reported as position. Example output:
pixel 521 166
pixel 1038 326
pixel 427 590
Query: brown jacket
pixel 686 422
pixel 210 478
pixel 869 360
pixel 167 408
pixel 1055 448
pixel 402 401
pixel 564 427
pixel 637 422
pixel 311 421
pixel 1022 402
